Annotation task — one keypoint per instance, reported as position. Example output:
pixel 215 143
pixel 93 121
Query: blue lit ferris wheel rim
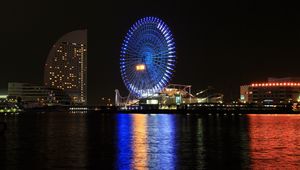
pixel 147 59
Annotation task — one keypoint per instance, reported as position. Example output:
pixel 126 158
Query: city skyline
pixel 153 84
pixel 223 45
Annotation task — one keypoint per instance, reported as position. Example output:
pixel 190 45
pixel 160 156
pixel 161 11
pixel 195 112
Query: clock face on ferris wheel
pixel 148 57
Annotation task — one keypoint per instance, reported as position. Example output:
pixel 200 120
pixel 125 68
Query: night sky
pixel 219 43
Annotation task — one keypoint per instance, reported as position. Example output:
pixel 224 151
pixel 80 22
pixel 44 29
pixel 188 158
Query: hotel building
pixel 66 66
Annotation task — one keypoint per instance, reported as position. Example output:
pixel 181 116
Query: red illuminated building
pixel 275 90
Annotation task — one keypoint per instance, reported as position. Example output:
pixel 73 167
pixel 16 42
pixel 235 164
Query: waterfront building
pixel 8 105
pixel 275 90
pixel 171 97
pixel 209 95
pixel 32 95
pixel 66 66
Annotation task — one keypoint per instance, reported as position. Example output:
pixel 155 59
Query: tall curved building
pixel 66 66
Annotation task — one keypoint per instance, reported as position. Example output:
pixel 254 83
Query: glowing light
pixel 287 84
pixel 140 67
pixel 3 96
pixel 135 134
pixel 140 145
pixel 124 138
pixel 139 46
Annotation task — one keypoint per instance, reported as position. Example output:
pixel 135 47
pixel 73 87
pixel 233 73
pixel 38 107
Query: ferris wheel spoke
pixel 161 57
pixel 132 52
pixel 139 81
pixel 131 59
pixel 161 68
pixel 150 78
pixel 147 83
pixel 132 65
pixel 129 46
pixel 132 75
pixel 131 72
pixel 129 64
pixel 131 56
pixel 161 53
pixel 156 56
pixel 155 72
pixel 161 61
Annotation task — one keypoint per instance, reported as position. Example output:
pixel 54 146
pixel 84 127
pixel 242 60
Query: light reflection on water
pixel 146 141
pixel 274 141
pixel 150 141
pixel 238 142
pixel 124 138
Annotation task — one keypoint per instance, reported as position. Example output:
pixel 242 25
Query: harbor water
pixel 83 140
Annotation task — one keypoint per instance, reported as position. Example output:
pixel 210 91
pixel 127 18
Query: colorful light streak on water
pixel 140 142
pixel 274 141
pixel 162 141
pixel 146 141
pixel 124 136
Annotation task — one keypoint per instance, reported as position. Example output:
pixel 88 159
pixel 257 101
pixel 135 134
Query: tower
pixel 66 66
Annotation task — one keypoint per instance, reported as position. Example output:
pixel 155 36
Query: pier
pixel 196 109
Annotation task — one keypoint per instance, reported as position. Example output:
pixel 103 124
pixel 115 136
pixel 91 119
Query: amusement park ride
pixel 147 63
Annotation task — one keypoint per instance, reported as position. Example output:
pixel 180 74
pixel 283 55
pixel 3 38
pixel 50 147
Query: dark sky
pixel 219 43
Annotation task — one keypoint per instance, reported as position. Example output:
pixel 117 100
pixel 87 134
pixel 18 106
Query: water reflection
pixel 161 139
pixel 190 146
pixel 43 141
pixel 140 143
pixel 150 141
pixel 274 141
pixel 200 144
pixel 146 141
pixel 124 140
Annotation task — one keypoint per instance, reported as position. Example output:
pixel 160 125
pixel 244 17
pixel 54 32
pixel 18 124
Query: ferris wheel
pixel 148 56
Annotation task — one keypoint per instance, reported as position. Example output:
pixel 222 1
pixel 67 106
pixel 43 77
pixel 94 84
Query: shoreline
pixel 204 109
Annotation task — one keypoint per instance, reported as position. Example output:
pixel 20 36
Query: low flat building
pixel 33 95
pixel 275 90
pixel 173 96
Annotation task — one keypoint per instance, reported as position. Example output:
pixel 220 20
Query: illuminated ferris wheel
pixel 147 59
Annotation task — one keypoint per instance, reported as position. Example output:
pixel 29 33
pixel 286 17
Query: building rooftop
pixel 283 79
